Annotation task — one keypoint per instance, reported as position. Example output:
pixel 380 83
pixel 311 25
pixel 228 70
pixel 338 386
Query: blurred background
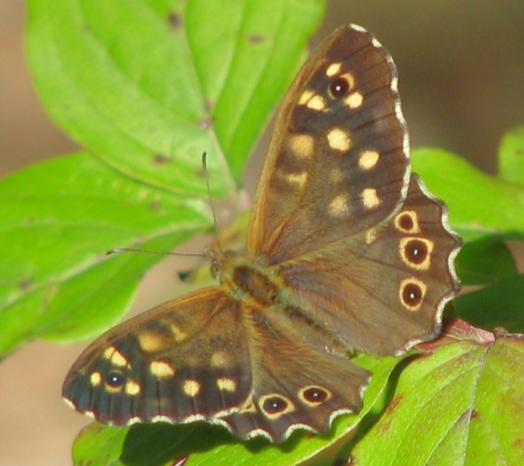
pixel 461 68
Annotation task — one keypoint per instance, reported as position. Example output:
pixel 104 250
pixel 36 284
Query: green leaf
pixel 55 279
pixel 484 261
pixel 511 156
pixel 479 205
pixel 498 305
pixel 461 404
pixel 150 86
pixel 160 444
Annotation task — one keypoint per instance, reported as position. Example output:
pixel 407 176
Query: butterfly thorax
pixel 246 278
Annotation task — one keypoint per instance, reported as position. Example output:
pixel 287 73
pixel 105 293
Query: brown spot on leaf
pixel 255 38
pixel 209 104
pixel 24 284
pixel 175 21
pixel 205 123
pixel 393 404
pixel 154 205
pixel 474 414
pixel 161 159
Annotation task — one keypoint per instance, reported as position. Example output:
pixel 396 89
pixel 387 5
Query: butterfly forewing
pixel 338 162
pixel 187 359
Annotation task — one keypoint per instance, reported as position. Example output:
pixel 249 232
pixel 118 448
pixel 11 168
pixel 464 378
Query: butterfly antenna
pixel 148 251
pixel 210 199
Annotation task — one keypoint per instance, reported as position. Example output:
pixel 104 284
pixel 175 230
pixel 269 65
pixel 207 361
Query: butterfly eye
pixel 339 87
pixel 315 395
pixel 114 379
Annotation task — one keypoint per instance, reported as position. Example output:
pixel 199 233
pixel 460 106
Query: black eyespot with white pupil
pixel 114 379
pixel 339 87
pixel 315 395
pixel 416 251
pixel 412 294
pixel 274 405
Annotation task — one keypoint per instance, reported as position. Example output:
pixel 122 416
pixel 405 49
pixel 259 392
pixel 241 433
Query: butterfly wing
pixel 338 161
pixel 296 383
pixel 185 360
pixel 382 290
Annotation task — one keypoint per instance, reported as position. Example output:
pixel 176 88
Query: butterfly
pixel 346 250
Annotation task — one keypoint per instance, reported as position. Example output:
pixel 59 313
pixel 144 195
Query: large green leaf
pixel 485 261
pixel 479 205
pixel 511 156
pixel 148 85
pixel 57 220
pixel 158 445
pixel 500 304
pixel 460 405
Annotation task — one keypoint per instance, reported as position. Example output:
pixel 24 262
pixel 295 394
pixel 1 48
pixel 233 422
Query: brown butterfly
pixel 345 251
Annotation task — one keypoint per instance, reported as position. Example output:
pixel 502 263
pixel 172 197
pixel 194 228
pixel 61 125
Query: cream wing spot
pixel 298 179
pixel 302 145
pixel 161 369
pixel 339 206
pixel 115 357
pixel 95 378
pixel 371 235
pixel 191 387
pixel 316 102
pixel 354 100
pixel 151 342
pixel 219 359
pixel 226 384
pixel 370 198
pixel 304 98
pixel 339 139
pixel 333 69
pixel 368 159
pixel 132 388
pixel 178 334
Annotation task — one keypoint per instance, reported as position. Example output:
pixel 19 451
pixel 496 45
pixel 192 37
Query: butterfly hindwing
pixel 382 290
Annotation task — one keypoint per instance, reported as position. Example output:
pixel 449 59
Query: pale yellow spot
pixel 339 206
pixel 95 379
pixel 370 198
pixel 297 178
pixel 423 289
pixel 414 220
pixel 151 342
pixel 306 95
pixel 302 145
pixel 226 384
pixel 354 100
pixel 336 175
pixel 219 359
pixel 118 359
pixel 191 387
pixel 333 69
pixel 248 407
pixel 371 235
pixel 114 356
pixel 290 407
pixel 339 139
pixel 368 159
pixel 132 388
pixel 316 103
pixel 161 369
pixel 178 334
pixel 424 265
